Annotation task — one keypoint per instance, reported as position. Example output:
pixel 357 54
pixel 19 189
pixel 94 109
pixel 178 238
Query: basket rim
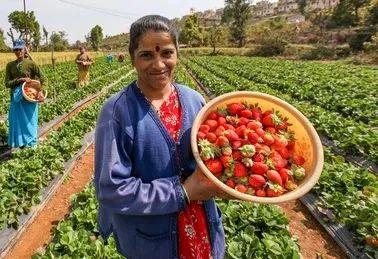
pixel 27 97
pixel 292 195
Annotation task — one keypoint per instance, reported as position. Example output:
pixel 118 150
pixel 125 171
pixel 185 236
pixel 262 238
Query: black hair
pixel 155 23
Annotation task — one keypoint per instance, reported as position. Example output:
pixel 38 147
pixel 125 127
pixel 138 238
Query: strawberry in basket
pixel 250 150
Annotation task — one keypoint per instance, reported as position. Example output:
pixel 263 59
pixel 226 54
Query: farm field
pixel 340 101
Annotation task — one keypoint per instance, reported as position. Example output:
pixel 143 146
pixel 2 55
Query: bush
pixel 272 45
pixel 319 52
pixel 356 42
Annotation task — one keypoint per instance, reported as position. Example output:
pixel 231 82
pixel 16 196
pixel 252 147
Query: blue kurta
pixel 23 120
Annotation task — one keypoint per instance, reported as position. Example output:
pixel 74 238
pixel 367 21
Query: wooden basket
pixel 36 85
pixel 307 145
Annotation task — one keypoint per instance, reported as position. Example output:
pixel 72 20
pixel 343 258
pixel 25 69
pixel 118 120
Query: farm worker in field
pixel 23 115
pixel 109 58
pixel 121 58
pixel 151 195
pixel 83 62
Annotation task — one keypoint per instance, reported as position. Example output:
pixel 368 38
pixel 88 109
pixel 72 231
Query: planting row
pixel 348 90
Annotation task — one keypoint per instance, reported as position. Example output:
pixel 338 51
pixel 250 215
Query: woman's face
pixel 155 60
pixel 19 53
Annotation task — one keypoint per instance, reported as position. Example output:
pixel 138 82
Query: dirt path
pixel 39 232
pixel 313 240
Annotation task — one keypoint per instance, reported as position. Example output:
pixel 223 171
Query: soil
pixel 39 232
pixel 313 240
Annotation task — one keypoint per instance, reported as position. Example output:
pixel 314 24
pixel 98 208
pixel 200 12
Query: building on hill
pixel 287 6
pixel 323 4
pixel 263 8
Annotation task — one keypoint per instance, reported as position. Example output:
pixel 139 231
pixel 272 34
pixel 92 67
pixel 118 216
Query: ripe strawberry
pixel 262 149
pixel 258 157
pixel 230 183
pixel 246 114
pixel 285 174
pixel 235 108
pixel 259 168
pixel 212 123
pixel 211 137
pixel 284 153
pixel 239 170
pixel 290 144
pixel 204 128
pixel 271 120
pixel 201 135
pixel 271 130
pixel 221 121
pixel 253 137
pixel 236 154
pixel 231 135
pixel 260 193
pixel 241 188
pixel 256 113
pixel 227 161
pixel 274 176
pixel 298 160
pixel 256 181
pixel 260 132
pixel 219 131
pixel 277 162
pixel 236 144
pixel 268 139
pixel 254 125
pixel 212 116
pixel 279 142
pixel 241 130
pixel 242 121
pixel 222 141
pixel 215 166
pixel 229 127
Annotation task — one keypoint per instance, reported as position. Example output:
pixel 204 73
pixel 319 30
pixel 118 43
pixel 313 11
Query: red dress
pixel 194 241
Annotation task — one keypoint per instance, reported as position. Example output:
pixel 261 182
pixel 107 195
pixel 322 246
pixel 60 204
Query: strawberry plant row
pixel 30 170
pixel 350 136
pixel 301 79
pixel 349 191
pixel 252 231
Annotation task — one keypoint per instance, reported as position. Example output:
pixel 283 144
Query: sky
pixel 77 17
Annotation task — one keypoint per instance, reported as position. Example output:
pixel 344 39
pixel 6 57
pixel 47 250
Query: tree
pixel 59 41
pixel 357 4
pixel 96 36
pixel 46 35
pixel 320 18
pixel 3 46
pixel 215 36
pixel 191 33
pixel 26 24
pixel 343 15
pixel 236 14
pixel 372 17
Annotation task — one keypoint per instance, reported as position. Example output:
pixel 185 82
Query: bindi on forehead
pixel 157 48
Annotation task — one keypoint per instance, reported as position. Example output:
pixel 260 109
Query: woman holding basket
pixel 151 196
pixel 23 115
